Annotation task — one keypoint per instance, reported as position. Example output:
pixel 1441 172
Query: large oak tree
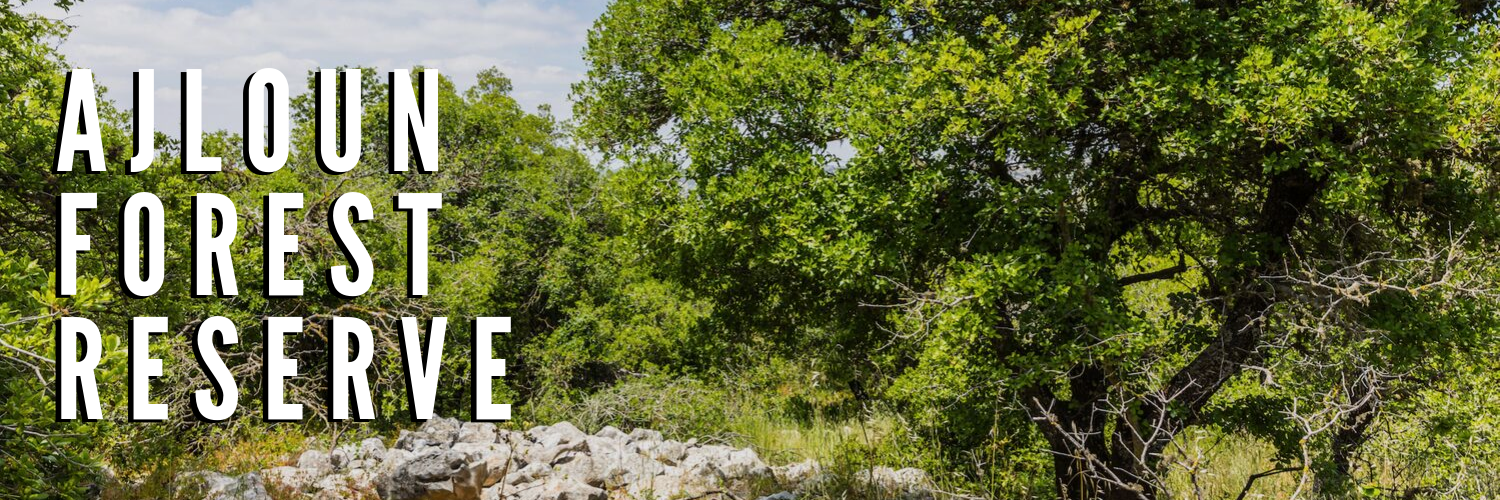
pixel 1116 220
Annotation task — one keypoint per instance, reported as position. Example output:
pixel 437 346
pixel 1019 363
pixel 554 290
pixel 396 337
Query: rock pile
pixel 450 460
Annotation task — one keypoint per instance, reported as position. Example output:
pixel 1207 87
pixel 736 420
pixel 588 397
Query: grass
pixel 1201 464
pixel 234 453
pixel 1211 465
pixel 685 409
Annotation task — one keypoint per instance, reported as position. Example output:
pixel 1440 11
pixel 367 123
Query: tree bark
pixel 1119 466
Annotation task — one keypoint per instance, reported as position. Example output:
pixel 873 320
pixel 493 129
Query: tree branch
pixel 1154 275
pixel 1257 476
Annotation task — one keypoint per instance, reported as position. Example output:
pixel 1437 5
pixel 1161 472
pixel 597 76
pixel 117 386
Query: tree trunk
pixel 1120 470
pixel 1353 431
pixel 1087 464
pixel 1075 481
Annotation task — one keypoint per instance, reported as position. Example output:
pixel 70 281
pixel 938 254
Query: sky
pixel 537 43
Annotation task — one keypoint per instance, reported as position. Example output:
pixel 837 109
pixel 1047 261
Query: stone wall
pixel 451 460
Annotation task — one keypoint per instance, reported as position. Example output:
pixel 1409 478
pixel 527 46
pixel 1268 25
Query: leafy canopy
pixel 1115 221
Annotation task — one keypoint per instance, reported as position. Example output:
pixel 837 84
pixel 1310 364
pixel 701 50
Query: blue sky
pixel 537 43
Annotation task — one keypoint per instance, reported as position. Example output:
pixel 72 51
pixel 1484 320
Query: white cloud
pixel 537 45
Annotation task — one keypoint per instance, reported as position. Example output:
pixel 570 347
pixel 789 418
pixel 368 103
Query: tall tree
pixel 41 456
pixel 1116 220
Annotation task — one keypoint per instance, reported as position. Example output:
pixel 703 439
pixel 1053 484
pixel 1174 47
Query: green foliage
pixel 40 456
pixel 525 231
pixel 1030 247
pixel 1117 223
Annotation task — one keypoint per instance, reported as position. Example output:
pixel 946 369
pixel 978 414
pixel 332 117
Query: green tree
pixel 514 237
pixel 519 235
pixel 40 456
pixel 1114 221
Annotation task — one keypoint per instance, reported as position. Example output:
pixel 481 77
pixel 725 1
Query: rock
pixel 648 489
pixel 209 485
pixel 645 435
pixel 340 494
pixel 695 470
pixel 438 432
pixel 580 468
pixel 498 458
pixel 667 452
pixel 904 484
pixel 610 432
pixel 563 489
pixel 442 430
pixel 593 470
pixel 638 469
pixel 912 476
pixel 315 460
pixel 796 474
pixel 434 475
pixel 614 465
pixel 502 491
pixel 476 451
pixel 551 453
pixel 476 432
pixel 372 449
pixel 564 432
pixel 449 460
pixel 417 441
pixel 531 472
pixel 393 459
pixel 703 463
pixel 510 437
pixel 712 453
pixel 339 458
pixel 714 467
pixel 289 477
pixel 676 482
pixel 744 465
pixel 598 445
pixel 364 480
pixel 353 484
pixel 525 491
